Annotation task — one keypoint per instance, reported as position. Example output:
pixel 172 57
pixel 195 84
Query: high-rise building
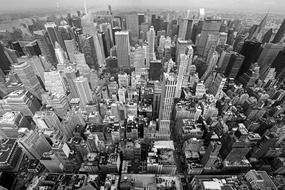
pixel 82 66
pixel 211 154
pixel 211 65
pixel 45 45
pixel 11 122
pixel 47 120
pixel 71 49
pixel 181 48
pixel 267 36
pixel 217 85
pixel 61 55
pixel 141 18
pixel 151 40
pixel 5 63
pixel 184 60
pixel 22 101
pixel 267 56
pixel 280 33
pixel 83 89
pixel 33 144
pixel 210 26
pixel 28 77
pixel 33 48
pixel 123 48
pixel 250 50
pixel 108 37
pixel 70 75
pixel 54 82
pixel 278 62
pixel 51 162
pixel 132 22
pixel 88 48
pixel 185 29
pixel 234 64
pixel 155 70
pixel 16 46
pixel 169 86
pixel 54 34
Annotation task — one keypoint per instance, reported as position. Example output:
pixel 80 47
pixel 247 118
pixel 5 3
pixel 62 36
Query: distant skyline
pixel 272 5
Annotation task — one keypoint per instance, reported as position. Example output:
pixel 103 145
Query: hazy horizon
pixel 272 5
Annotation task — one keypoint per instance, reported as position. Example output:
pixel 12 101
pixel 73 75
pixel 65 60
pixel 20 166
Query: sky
pixel 15 5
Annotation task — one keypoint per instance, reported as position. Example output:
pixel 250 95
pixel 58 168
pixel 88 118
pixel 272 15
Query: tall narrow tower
pixel 85 7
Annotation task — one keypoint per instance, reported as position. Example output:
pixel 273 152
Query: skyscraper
pixel 278 62
pixel 83 89
pixel 210 26
pixel 88 48
pixel 132 22
pixel 32 48
pixel 4 61
pixel 45 46
pixel 184 60
pixel 54 82
pixel 181 48
pixel 108 37
pixel 217 85
pixel 123 48
pixel 185 29
pixel 234 64
pixel 150 39
pixel 54 34
pixel 71 49
pixel 33 144
pixel 61 55
pixel 70 75
pixel 280 34
pixel 28 77
pixel 250 51
pixel 169 86
pixel 155 70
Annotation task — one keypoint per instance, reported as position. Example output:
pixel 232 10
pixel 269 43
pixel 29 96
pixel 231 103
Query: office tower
pixel 114 30
pixel 33 144
pixel 278 62
pixel 54 82
pixel 54 34
pixel 185 30
pixel 88 48
pixel 70 75
pixel 211 65
pixel 33 48
pixel 230 36
pixel 267 36
pixel 184 60
pixel 211 154
pixel 28 77
pixel 22 101
pixel 59 103
pixel 122 95
pixel 250 51
pixel 11 157
pixel 132 22
pixel 217 85
pixel 169 86
pixel 66 32
pixel 51 162
pixel 141 18
pixel 112 64
pixel 223 38
pixel 60 54
pixel 103 43
pixel 36 64
pixel 71 49
pixel 123 48
pixel 5 63
pixel 181 48
pixel 16 46
pixel 45 45
pixel 280 33
pixel 200 90
pixel 210 27
pixel 47 120
pixel 234 64
pixel 82 66
pixel 108 37
pixel 267 56
pixel 155 70
pixel 123 80
pixel 150 39
pixel 11 122
pixel 83 89
pixel 224 60
pixel 212 42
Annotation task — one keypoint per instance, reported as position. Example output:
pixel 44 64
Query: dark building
pixel 106 52
pixel 16 46
pixel 4 61
pixel 141 18
pixel 251 51
pixel 115 29
pixel 278 62
pixel 54 35
pixel 155 70
pixel 45 46
pixel 112 64
pixel 230 39
pixel 76 22
pixel 279 35
pixel 267 36
pixel 33 48
pixel 189 29
pixel 234 65
pixel 88 48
